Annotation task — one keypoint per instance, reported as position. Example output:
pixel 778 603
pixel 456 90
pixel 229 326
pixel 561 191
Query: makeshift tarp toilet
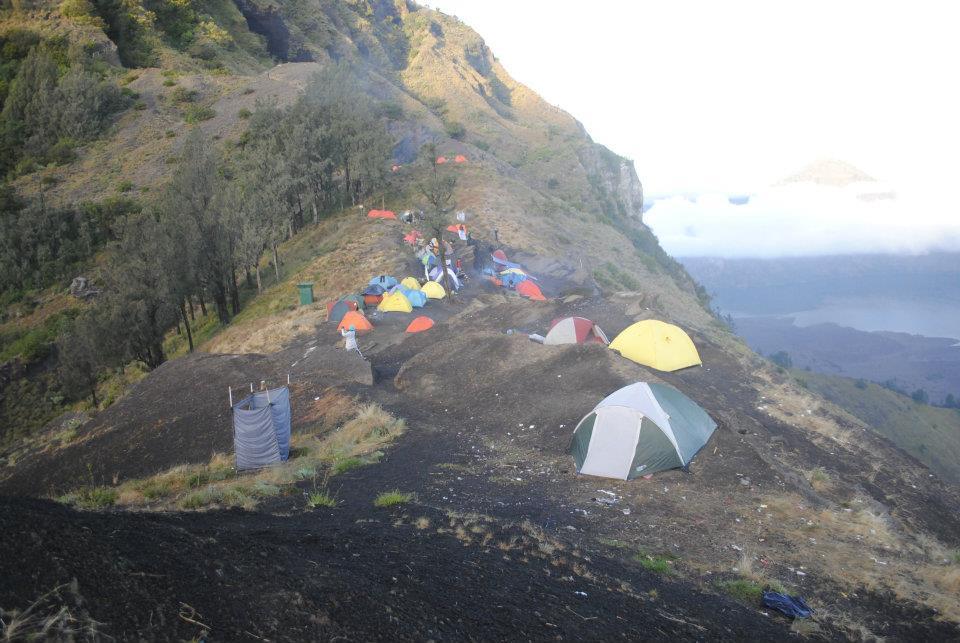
pixel 395 302
pixel 433 290
pixel 640 429
pixel 261 429
pixel 410 283
pixel 575 330
pixel 658 345
pixel 356 319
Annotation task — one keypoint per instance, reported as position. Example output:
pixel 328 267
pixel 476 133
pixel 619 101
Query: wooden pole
pixel 230 393
pixel 288 379
pixel 251 387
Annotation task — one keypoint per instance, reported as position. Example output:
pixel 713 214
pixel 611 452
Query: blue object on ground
pixel 792 606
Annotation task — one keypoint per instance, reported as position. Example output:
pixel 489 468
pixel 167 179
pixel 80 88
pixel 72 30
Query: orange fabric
pixel 382 214
pixel 441 160
pixel 495 281
pixel 460 158
pixel 530 290
pixel 372 300
pixel 420 324
pixel 356 319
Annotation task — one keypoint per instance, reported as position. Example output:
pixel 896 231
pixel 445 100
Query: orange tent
pixel 454 228
pixel 441 159
pixel 420 324
pixel 530 290
pixel 356 319
pixel 460 158
pixel 382 214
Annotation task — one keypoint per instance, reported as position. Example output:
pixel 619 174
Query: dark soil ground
pixel 503 540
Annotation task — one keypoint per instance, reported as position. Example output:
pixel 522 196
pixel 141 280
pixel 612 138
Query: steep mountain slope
pixel 790 493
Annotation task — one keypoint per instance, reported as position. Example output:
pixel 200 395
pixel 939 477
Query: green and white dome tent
pixel 640 429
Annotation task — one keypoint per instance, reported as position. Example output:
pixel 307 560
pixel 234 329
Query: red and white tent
pixel 575 330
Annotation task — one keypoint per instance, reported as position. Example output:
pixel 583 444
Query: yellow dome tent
pixel 434 290
pixel 410 283
pixel 395 302
pixel 658 345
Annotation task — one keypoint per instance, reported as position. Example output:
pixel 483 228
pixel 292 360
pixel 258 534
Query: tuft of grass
pixel 658 564
pixel 819 479
pixel 91 498
pixel 345 464
pixel 742 590
pixel 169 82
pixel 321 499
pixel 244 113
pixel 392 499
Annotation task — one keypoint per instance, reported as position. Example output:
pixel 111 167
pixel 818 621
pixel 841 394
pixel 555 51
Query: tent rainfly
pixel 658 345
pixel 420 324
pixel 356 319
pixel 574 330
pixel 433 290
pixel 410 283
pixel 642 428
pixel 395 302
pixel 261 429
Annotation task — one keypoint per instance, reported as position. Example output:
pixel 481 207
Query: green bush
pixel 169 82
pixel 183 95
pixel 91 498
pixel 124 186
pixel 244 113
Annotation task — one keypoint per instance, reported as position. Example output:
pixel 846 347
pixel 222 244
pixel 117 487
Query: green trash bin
pixel 306 294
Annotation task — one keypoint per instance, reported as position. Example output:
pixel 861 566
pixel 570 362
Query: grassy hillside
pixel 930 434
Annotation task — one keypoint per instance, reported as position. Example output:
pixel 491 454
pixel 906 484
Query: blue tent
pixel 505 264
pixel 374 289
pixel 261 428
pixel 385 281
pixel 417 298
pixel 510 280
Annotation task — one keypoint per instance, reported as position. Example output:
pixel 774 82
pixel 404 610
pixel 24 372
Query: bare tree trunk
pixel 203 306
pixel 443 267
pixel 276 262
pixel 256 269
pixel 190 307
pixel 316 215
pixel 186 323
pixel 247 277
pixel 234 292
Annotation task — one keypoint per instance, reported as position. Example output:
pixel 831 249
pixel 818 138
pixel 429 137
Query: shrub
pixel 244 113
pixel 920 396
pixel 392 499
pixel 169 82
pixel 782 359
pixel 139 106
pixel 124 186
pixel 861 383
pixel 170 133
pixel 183 95
pixel 197 113
pixel 455 130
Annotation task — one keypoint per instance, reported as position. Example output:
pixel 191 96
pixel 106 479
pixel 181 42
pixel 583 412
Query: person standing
pixel 350 338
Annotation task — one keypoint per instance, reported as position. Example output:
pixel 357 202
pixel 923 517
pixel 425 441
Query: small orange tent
pixel 441 160
pixel 420 324
pixel 530 290
pixel 460 158
pixel 356 319
pixel 382 214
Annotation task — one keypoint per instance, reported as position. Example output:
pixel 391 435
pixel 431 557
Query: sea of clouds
pixel 804 219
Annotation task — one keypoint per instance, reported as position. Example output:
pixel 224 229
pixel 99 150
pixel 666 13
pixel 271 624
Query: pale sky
pixel 729 97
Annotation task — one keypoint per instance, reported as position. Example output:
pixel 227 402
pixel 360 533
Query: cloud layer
pixel 803 220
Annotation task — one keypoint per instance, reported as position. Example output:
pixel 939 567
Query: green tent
pixel 356 298
pixel 640 429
